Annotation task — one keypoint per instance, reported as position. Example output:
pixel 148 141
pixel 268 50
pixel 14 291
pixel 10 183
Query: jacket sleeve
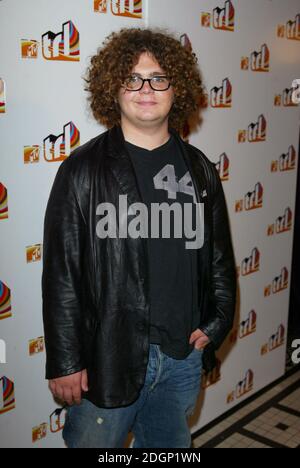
pixel 222 289
pixel 64 233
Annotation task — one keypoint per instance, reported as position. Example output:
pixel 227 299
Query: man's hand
pixel 200 339
pixel 69 388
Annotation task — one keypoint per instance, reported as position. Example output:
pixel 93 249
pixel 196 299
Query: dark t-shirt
pixel 163 177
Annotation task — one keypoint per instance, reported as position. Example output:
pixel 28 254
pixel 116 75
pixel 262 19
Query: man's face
pixel 145 107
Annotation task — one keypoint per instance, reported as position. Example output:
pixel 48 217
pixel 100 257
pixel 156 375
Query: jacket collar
pixel 117 150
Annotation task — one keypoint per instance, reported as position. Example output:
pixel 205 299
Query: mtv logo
pixel 205 19
pixel 33 253
pixel 39 432
pixel 29 48
pixel 31 154
pixel 100 6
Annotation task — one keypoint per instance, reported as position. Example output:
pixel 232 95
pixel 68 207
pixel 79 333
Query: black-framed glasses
pixel 157 83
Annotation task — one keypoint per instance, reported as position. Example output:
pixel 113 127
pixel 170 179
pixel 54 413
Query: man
pixel 131 319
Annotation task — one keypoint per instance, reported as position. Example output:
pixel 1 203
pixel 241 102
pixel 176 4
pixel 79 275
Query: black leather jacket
pixel 95 291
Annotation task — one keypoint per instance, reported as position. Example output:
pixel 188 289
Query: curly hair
pixel 120 52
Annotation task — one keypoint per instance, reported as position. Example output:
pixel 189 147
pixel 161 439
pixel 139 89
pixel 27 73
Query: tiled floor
pixel 271 420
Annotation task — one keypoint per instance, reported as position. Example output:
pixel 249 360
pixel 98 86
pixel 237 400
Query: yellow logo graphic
pixel 220 18
pixel 252 200
pixel 39 432
pixel 285 162
pixel 3 202
pixel 282 223
pixel 57 148
pixel 31 154
pixel 2 96
pixel 256 131
pixel 243 387
pixel 291 30
pixel 128 8
pixel 33 253
pixel 63 45
pixel 29 48
pixel 221 97
pixel 36 346
pixel 275 340
pixel 7 395
pixel 278 284
pixel 259 61
pixel 250 264
pixel 5 301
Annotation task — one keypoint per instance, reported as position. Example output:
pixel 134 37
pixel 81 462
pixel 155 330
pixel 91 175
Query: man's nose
pixel 146 88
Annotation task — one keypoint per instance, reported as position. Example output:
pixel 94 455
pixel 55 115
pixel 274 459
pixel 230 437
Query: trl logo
pixel 7 395
pixel 221 97
pixel 5 301
pixel 57 420
pixel 255 133
pixel 279 283
pixel 245 328
pixel 56 148
pixel 3 202
pixel 252 199
pixel 250 264
pixel 63 45
pixel 282 223
pixel 59 147
pixel 213 376
pixel 296 91
pixel 2 352
pixel 275 340
pixel 220 18
pixel 222 167
pixel 290 97
pixel 291 29
pixel 244 386
pixel 2 96
pixel 258 61
pixel 128 8
pixel 285 162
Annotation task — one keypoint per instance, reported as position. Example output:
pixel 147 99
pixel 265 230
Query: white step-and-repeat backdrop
pixel 249 55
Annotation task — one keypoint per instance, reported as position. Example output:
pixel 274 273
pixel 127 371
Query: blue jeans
pixel 157 418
